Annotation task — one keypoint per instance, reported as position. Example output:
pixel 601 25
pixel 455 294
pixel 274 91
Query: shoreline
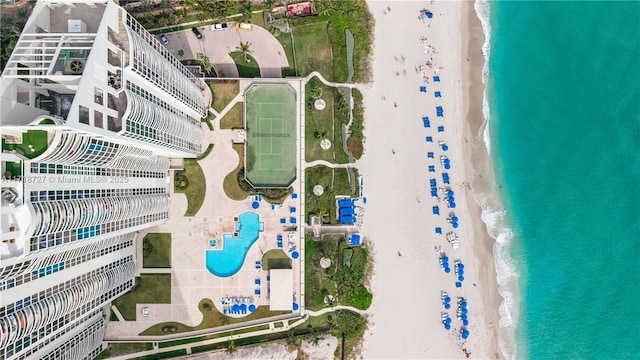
pixel 473 39
pixel 399 223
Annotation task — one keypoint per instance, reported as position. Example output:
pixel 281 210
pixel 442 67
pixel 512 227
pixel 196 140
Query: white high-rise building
pixel 92 107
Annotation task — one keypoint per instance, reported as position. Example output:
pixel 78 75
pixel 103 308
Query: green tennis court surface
pixel 270 113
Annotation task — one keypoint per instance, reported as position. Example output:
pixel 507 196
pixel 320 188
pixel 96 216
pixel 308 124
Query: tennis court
pixel 270 150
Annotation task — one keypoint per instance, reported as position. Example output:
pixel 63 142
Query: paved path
pixel 217 45
pixel 117 312
pixel 155 271
pixel 319 76
pixel 326 163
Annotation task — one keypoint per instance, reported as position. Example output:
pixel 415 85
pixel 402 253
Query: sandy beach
pixel 400 223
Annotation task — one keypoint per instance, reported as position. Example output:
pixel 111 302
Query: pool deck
pixel 191 281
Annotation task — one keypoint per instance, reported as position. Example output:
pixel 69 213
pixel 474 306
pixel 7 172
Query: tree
pixel 231 347
pixel 324 7
pixel 291 339
pixel 181 53
pixel 245 49
pixel 246 10
pixel 203 60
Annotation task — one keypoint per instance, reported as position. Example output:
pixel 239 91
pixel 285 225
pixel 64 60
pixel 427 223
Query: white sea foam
pixel 494 216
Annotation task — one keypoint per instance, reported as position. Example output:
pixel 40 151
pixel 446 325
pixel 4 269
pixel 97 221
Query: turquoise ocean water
pixel 563 97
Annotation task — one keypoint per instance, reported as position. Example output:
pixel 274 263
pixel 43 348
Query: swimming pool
pixel 229 260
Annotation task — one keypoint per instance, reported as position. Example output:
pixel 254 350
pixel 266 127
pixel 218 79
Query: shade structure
pixel 283 220
pixel 439 230
pixel 458 284
pixel 440 128
pixel 423 89
pixel 252 308
pixel 346 211
pixel 436 78
pixel 345 203
pixel 281 289
pixel 429 139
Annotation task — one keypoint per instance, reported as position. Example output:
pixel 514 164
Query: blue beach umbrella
pixel 461 266
pixel 453 205
pixel 458 284
pixel 460 278
pixel 460 271
pixel 447 306
pixel 447 326
pixel 448 321
pixel 295 254
pixel 447 270
pixel 445 258
pixel 295 306
pixel 255 205
pixel 429 14
pixel 465 322
pixel 464 311
pixel 455 225
pixel 447 299
pixel 445 148
pixel 463 304
pixel 252 308
pixel 465 334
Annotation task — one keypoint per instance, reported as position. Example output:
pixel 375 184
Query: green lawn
pixel 246 70
pixel 335 182
pixel 319 281
pixel 276 259
pixel 313 49
pixel 230 184
pixel 156 250
pixel 223 92
pixel 212 318
pixel 36 138
pixel 319 124
pixel 196 187
pixel 152 289
pixel 233 118
pixel 15 168
pixel 287 43
pixel 350 279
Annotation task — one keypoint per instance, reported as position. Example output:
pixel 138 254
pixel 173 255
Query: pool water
pixel 228 261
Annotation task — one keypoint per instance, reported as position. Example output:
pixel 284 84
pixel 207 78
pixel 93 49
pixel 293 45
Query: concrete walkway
pixel 155 271
pixel 117 312
pixel 328 164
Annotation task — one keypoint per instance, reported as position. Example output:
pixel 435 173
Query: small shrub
pixel 316 92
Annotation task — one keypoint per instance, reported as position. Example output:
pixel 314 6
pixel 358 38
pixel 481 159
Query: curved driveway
pixel 217 45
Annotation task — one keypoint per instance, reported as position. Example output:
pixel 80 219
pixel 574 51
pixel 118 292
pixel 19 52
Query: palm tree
pixel 245 49
pixel 231 347
pixel 203 60
pixel 291 340
pixel 246 10
pixel 324 7
pixel 323 215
